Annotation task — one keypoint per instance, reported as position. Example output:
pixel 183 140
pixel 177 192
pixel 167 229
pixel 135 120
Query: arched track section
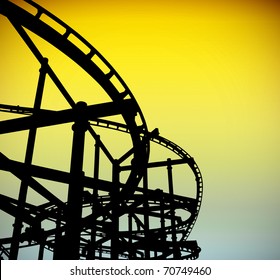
pixel 180 152
pixel 92 62
pixel 101 218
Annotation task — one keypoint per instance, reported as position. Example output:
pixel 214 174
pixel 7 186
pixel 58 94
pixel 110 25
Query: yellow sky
pixel 207 75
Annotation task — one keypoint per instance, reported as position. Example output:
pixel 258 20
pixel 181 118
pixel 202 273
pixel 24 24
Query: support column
pixel 146 214
pixel 28 161
pixel 115 200
pixel 58 236
pixel 176 251
pixel 130 239
pixel 41 249
pixel 92 246
pixel 162 219
pixel 76 186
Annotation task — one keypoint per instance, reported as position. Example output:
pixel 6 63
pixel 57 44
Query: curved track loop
pixel 194 167
pixel 92 62
pixel 183 227
pixel 188 225
pixel 136 205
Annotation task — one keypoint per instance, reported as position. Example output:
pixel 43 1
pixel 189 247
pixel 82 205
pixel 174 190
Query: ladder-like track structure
pixel 122 218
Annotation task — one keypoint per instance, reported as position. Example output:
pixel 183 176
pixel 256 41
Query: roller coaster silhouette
pixel 124 217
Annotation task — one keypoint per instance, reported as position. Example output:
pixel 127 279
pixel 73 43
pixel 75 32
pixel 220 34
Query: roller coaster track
pixel 186 158
pixel 105 204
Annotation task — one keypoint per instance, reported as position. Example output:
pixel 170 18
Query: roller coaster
pixel 125 215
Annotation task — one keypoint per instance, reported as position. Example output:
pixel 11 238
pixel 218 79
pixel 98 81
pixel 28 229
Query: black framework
pixel 100 219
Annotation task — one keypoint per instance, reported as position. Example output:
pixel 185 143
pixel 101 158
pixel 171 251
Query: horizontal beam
pixel 52 174
pixel 158 164
pixel 91 183
pixel 45 118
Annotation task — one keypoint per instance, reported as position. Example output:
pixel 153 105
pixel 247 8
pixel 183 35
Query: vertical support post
pixel 75 191
pixel 58 237
pixel 115 200
pixel 130 228
pixel 41 250
pixel 162 218
pixel 100 252
pixel 176 251
pixel 146 214
pixel 28 161
pixel 92 245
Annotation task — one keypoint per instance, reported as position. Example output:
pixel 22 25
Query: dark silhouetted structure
pixel 122 218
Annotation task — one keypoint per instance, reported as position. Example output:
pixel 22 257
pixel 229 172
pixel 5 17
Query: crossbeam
pixel 49 118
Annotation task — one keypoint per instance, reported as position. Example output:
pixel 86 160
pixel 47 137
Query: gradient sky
pixel 206 73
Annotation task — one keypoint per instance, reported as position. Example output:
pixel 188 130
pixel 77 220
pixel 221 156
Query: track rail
pixel 92 62
pixel 133 201
pixel 178 151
